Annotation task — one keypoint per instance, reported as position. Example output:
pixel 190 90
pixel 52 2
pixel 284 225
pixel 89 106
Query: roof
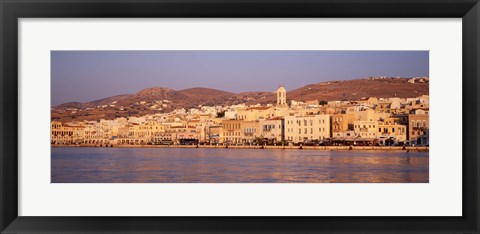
pixel 260 108
pixel 73 126
pixel 276 118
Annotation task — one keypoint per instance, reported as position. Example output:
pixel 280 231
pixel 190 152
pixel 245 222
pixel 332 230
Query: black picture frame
pixel 11 11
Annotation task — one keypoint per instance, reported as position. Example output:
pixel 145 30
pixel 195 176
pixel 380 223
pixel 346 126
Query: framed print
pixel 256 116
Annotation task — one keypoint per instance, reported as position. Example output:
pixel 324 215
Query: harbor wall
pixel 271 147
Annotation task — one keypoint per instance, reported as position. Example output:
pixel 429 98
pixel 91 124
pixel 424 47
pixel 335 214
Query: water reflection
pixel 175 165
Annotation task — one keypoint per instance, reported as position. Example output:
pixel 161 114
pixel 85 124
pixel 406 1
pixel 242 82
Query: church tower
pixel 281 96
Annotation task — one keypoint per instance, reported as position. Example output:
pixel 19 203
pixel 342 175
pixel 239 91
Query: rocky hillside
pixel 357 89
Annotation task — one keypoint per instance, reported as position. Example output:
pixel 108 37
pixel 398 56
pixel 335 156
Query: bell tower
pixel 281 96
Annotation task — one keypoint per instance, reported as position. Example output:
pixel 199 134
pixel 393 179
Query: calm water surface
pixel 180 165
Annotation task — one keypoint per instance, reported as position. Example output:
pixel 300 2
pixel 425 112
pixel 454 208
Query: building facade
pixel 273 130
pixel 232 131
pixel 418 129
pixel 365 129
pixel 301 129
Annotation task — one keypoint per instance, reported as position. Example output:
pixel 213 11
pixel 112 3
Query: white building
pixel 365 129
pixel 230 114
pixel 300 129
pixel 273 129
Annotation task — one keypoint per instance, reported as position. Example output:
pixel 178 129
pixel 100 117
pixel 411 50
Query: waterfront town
pixel 366 122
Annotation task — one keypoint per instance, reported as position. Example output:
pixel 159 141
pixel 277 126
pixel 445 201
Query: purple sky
pixel 90 75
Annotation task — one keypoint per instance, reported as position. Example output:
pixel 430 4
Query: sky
pixel 82 76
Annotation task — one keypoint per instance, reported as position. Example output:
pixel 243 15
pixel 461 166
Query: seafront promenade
pixel 268 147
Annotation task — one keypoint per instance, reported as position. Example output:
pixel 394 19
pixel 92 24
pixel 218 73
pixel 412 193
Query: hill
pixel 357 89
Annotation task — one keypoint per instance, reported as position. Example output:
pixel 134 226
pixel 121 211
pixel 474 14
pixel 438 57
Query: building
pixel 391 134
pixel 232 131
pixel 250 131
pixel 301 129
pixel 368 115
pixel 418 129
pixel 188 137
pixel 281 109
pixel 342 122
pixel 273 130
pixel 164 138
pixel 383 106
pixel 94 134
pixel 366 130
pixel 281 96
pixel 65 134
pixel 215 134
pixel 255 113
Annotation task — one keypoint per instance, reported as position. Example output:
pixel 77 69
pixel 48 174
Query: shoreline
pixel 268 147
